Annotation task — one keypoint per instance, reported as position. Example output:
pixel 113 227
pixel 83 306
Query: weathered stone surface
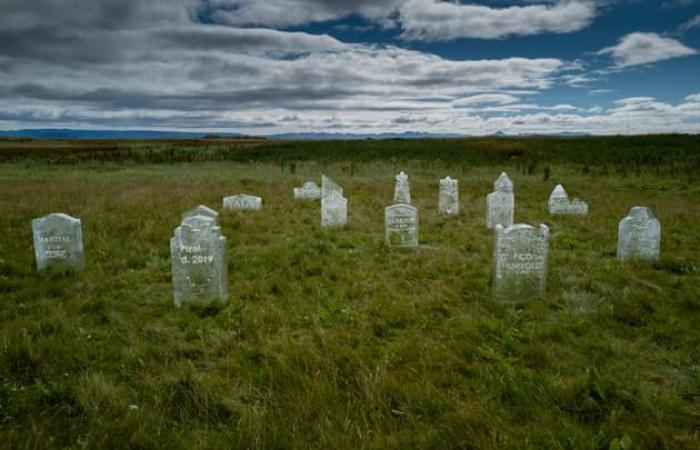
pixel 559 203
pixel 308 191
pixel 402 189
pixel 58 242
pixel 202 210
pixel 244 202
pixel 639 236
pixel 500 204
pixel 520 261
pixel 334 209
pixel 328 186
pixel 401 225
pixel 448 203
pixel 199 262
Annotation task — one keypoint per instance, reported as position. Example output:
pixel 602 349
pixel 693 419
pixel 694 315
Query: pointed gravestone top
pixel 503 183
pixel 641 213
pixel 402 189
pixel 202 210
pixel 328 185
pixel 308 191
pixel 559 192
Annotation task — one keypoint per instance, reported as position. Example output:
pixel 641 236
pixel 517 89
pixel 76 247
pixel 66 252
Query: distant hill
pixel 360 136
pixel 55 133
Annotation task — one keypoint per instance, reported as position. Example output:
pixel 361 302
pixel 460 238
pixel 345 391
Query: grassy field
pixel 330 340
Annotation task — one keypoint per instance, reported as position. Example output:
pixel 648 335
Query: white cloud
pixel 644 48
pixel 433 20
pixel 480 99
pixel 694 22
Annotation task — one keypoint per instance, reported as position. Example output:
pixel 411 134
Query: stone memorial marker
pixel 402 189
pixel 639 236
pixel 448 203
pixel 308 191
pixel 559 203
pixel 58 242
pixel 244 202
pixel 401 224
pixel 520 261
pixel 202 210
pixel 199 264
pixel 334 207
pixel 500 204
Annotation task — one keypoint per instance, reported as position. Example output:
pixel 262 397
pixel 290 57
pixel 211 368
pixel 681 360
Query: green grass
pixel 330 340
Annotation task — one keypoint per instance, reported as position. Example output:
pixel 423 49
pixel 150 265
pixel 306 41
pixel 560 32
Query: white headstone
pixel 308 191
pixel 500 204
pixel 202 210
pixel 520 261
pixel 449 197
pixel 58 242
pixel 559 203
pixel 243 201
pixel 401 224
pixel 334 210
pixel 639 236
pixel 328 185
pixel 199 263
pixel 402 189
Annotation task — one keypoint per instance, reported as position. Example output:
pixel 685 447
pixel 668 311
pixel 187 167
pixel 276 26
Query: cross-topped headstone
pixel 58 242
pixel 334 207
pixel 639 236
pixel 401 225
pixel 448 203
pixel 559 203
pixel 244 202
pixel 199 263
pixel 308 191
pixel 520 261
pixel 500 204
pixel 402 189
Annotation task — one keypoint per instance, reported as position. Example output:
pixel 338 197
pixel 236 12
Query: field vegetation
pixel 330 340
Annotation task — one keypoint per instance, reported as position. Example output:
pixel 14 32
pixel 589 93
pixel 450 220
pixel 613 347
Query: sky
pixel 264 67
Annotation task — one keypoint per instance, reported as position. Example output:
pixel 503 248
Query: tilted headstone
pixel 639 236
pixel 308 191
pixel 520 261
pixel 244 202
pixel 202 210
pixel 402 189
pixel 401 224
pixel 334 207
pixel 199 263
pixel 559 203
pixel 500 204
pixel 58 242
pixel 449 197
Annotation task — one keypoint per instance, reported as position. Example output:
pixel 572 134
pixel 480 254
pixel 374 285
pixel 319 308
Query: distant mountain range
pixel 50 133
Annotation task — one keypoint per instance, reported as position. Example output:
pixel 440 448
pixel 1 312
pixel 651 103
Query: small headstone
pixel 520 261
pixel 58 242
pixel 308 191
pixel 500 204
pixel 244 202
pixel 401 224
pixel 449 197
pixel 199 263
pixel 334 207
pixel 402 189
pixel 559 203
pixel 639 236
pixel 202 210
